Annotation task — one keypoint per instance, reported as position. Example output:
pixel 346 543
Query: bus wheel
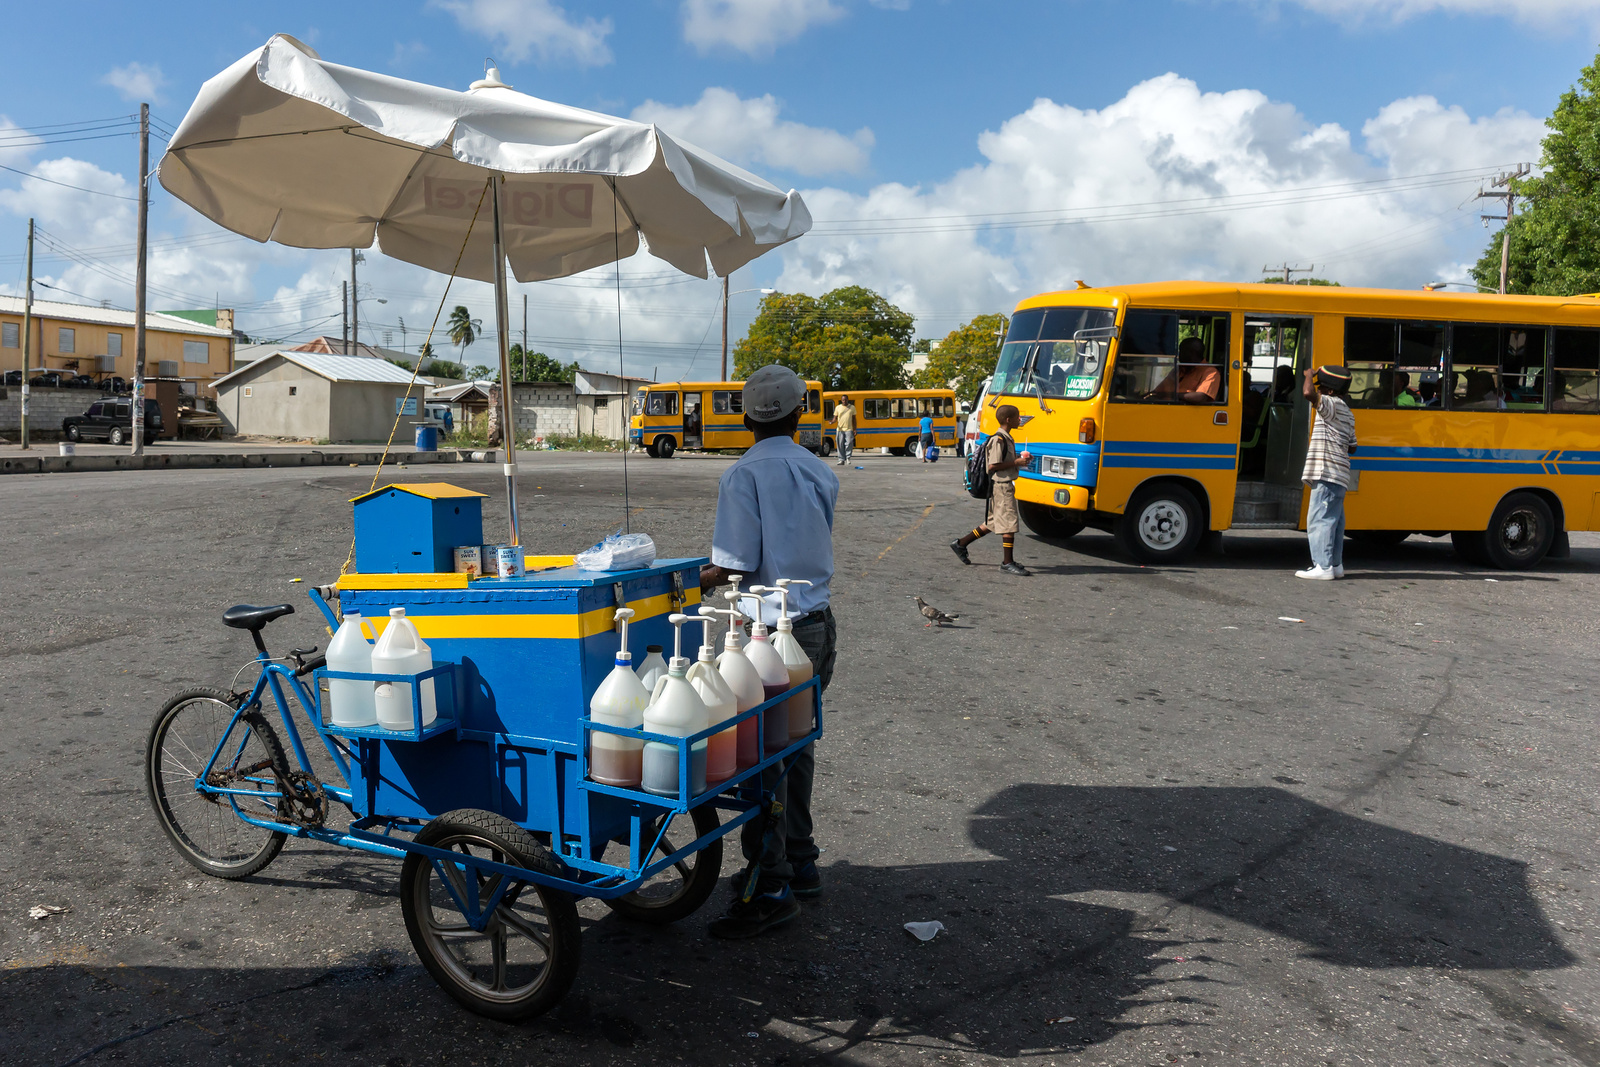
pixel 1381 538
pixel 1162 524
pixel 911 446
pixel 665 447
pixel 650 450
pixel 1047 521
pixel 1520 533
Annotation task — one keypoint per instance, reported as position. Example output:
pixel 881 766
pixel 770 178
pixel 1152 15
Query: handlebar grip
pixel 310 665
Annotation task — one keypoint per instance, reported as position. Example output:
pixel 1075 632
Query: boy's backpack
pixel 980 483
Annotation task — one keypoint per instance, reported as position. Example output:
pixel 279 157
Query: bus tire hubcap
pixel 1163 524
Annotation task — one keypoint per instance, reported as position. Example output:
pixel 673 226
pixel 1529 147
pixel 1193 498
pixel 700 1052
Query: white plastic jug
pixel 350 701
pixel 745 681
pixel 652 668
pixel 721 705
pixel 401 650
pixel 677 711
pixel 802 706
pixel 774 673
pixel 619 701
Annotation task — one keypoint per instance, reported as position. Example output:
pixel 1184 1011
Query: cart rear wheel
pixel 524 960
pixel 204 827
pixel 677 892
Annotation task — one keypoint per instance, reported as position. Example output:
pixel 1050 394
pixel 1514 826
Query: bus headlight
pixel 1061 466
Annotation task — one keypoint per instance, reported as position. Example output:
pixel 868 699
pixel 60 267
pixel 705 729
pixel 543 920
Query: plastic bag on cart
pixel 617 552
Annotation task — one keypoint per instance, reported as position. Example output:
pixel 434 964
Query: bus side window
pixel 813 401
pixel 1421 361
pixel 827 410
pixel 1172 357
pixel 1523 357
pixel 724 402
pixel 1575 371
pixel 1369 351
pixel 1475 367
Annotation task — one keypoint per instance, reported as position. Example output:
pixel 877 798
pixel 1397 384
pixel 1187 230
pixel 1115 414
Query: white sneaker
pixel 1317 574
pixel 1338 572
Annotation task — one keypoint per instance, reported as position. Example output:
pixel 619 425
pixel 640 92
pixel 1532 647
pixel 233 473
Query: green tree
pixel 443 368
pixel 1555 239
pixel 849 338
pixel 541 368
pixel 480 372
pixel 463 328
pixel 965 357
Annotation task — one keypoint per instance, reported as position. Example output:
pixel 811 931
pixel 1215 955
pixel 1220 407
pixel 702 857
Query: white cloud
pixel 137 82
pixel 16 143
pixel 1549 12
pixel 750 132
pixel 755 27
pixel 520 28
pixel 1167 182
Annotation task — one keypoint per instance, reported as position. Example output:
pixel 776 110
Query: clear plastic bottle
pixel 745 681
pixel 802 706
pixel 677 711
pixel 774 679
pixel 619 701
pixel 350 701
pixel 401 650
pixel 721 705
pixel 652 668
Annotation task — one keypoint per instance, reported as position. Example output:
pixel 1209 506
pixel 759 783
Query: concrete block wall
pixel 46 408
pixel 544 409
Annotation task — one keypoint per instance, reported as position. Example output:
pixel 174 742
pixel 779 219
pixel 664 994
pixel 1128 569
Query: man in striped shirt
pixel 1327 471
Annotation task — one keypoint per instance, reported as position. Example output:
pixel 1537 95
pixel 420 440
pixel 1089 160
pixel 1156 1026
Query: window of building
pixel 66 340
pixel 113 344
pixel 294 390
pixel 10 335
pixel 1170 357
pixel 1575 371
pixel 196 352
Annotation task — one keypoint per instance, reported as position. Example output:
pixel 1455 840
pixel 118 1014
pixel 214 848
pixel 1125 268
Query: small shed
pixel 321 397
pixel 415 527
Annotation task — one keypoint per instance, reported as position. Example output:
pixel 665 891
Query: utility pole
pixel 1503 183
pixel 1287 270
pixel 355 309
pixel 724 329
pixel 344 319
pixel 524 336
pixel 139 282
pixel 27 336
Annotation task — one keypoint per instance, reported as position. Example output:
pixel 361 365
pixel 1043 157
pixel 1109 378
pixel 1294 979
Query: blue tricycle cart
pixel 490 805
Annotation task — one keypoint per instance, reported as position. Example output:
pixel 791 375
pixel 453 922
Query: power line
pixel 67 185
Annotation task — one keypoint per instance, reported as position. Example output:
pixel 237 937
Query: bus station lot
pixel 1209 814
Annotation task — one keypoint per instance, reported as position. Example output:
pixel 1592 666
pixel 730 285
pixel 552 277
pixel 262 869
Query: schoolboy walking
pixel 1003 462
pixel 1327 470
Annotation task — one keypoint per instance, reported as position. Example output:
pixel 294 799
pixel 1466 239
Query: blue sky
pixel 885 110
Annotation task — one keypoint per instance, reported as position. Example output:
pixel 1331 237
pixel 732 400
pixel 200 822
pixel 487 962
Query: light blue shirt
pixel 775 520
pixel 927 424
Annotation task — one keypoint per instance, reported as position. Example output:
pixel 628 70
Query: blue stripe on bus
pixel 1170 462
pixel 1418 452
pixel 1176 448
pixel 1450 467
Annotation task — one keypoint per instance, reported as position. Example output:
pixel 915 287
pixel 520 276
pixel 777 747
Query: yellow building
pixel 98 341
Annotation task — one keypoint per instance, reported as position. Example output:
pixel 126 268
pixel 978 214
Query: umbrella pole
pixel 502 322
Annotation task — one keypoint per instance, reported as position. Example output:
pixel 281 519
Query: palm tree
pixel 464 329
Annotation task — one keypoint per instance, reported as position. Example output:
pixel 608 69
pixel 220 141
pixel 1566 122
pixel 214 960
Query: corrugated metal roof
pixel 336 368
pixel 153 320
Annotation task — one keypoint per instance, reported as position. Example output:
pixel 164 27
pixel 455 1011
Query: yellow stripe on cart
pixel 546 627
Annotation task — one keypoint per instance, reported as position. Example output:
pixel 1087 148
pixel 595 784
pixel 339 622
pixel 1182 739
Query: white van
pixel 969 437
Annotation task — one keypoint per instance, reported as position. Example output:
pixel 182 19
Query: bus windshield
pixel 638 401
pixel 1047 352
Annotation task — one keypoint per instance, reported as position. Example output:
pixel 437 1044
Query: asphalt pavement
pixel 1208 814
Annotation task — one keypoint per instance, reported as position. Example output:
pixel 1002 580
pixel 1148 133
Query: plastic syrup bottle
pixel 774 678
pixel 652 668
pixel 721 705
pixel 802 706
pixel 745 681
pixel 619 701
pixel 351 702
pixel 401 650
pixel 677 710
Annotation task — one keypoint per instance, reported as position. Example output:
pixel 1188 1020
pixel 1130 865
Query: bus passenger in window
pixel 1404 395
pixel 1429 392
pixel 1198 382
pixel 1283 384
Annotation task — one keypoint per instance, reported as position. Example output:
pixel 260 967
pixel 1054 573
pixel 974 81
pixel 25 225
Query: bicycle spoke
pixel 497 942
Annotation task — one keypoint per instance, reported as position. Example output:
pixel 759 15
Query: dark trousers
pixel 791 846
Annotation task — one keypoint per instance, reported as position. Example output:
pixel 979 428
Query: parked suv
pixel 112 420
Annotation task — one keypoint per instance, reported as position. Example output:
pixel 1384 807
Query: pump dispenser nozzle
pixel 783 584
pixel 679 661
pixel 758 627
pixel 708 651
pixel 732 640
pixel 622 616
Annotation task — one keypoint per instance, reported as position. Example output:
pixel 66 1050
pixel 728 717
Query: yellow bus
pixel 668 416
pixel 1162 411
pixel 893 418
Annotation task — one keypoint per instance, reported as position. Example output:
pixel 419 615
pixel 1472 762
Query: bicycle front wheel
pixel 202 826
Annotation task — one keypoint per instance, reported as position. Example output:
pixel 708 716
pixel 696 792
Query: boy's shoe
pixel 807 882
pixel 1016 568
pixel 1338 572
pixel 961 551
pixel 761 914
pixel 1316 574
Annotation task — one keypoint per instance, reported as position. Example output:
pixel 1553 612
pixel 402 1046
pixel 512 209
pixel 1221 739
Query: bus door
pixel 1274 421
pixel 1288 351
pixel 693 431
pixel 1173 409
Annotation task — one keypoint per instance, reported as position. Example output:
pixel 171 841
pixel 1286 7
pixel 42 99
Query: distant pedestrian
pixel 1327 470
pixel 844 428
pixel 925 440
pixel 1003 462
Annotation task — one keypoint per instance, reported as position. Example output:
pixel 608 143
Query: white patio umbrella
pixel 284 146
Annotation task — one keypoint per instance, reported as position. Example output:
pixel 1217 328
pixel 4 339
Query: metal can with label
pixel 511 561
pixel 469 560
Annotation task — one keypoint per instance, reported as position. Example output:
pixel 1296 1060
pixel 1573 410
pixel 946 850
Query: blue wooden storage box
pixel 416 527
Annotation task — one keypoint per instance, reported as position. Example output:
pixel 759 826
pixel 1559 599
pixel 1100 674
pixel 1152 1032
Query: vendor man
pixel 775 520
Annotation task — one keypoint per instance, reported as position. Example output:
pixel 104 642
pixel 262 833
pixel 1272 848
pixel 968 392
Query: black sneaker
pixel 1016 568
pixel 761 914
pixel 807 882
pixel 961 551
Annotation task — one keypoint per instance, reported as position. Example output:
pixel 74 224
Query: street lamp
pixel 1435 286
pixel 725 295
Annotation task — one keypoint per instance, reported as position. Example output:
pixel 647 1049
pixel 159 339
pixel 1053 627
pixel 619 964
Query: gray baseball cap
pixel 772 392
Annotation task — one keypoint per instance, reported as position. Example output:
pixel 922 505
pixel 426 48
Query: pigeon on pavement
pixel 933 614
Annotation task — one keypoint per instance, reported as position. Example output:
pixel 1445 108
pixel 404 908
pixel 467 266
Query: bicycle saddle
pixel 250 617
